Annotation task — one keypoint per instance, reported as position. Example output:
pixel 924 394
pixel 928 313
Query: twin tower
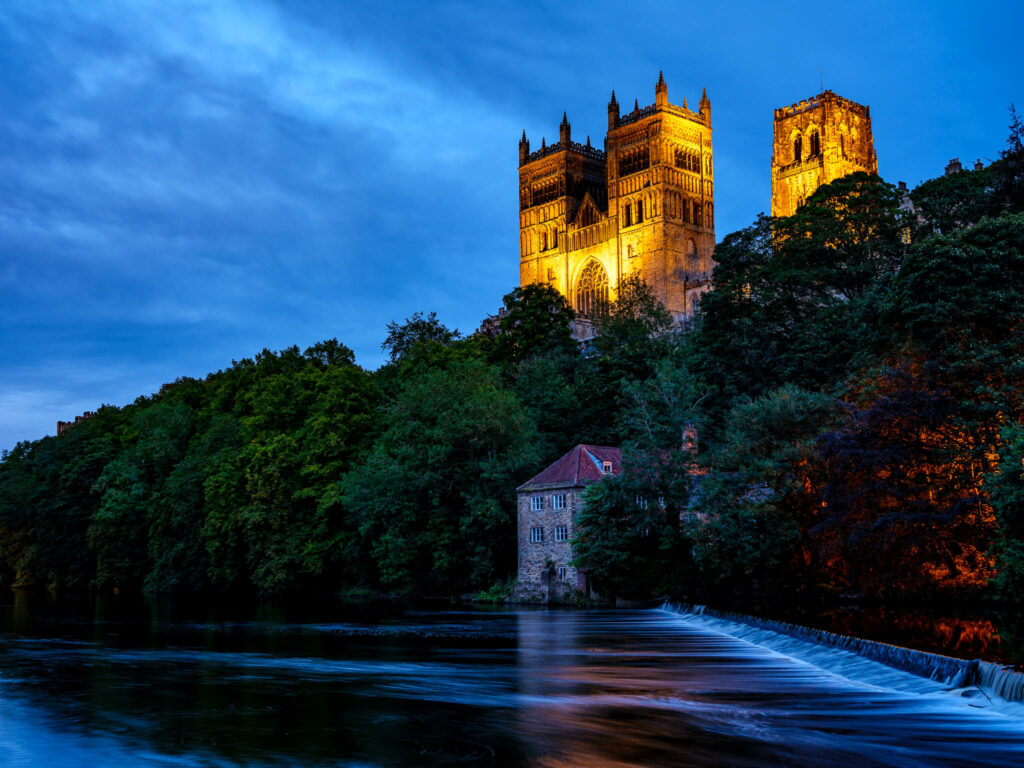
pixel 645 206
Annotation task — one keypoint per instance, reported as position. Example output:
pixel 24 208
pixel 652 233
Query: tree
pixel 904 513
pixel 536 320
pixel 433 499
pixel 416 329
pixel 761 497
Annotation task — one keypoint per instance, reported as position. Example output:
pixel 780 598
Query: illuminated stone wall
pixel 644 205
pixel 817 141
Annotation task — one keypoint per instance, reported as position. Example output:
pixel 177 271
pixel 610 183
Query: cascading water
pixel 994 680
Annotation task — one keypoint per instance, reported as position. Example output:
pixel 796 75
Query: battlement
pixel 64 426
pixel 820 100
pixel 571 146
pixel 641 112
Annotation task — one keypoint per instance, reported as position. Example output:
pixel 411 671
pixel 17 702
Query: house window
pixel 558 501
pixel 562 572
pixel 641 501
pixel 606 467
pixel 536 535
pixel 536 503
pixel 561 533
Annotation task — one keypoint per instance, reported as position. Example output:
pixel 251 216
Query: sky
pixel 184 183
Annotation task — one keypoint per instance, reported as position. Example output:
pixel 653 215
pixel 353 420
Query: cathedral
pixel 643 206
pixel 817 141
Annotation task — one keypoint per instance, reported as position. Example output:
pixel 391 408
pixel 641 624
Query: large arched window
pixel 591 289
pixel 798 145
pixel 815 144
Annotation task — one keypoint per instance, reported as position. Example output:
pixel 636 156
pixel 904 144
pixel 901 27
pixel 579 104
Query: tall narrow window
pixel 561 533
pixel 627 215
pixel 536 535
pixel 797 149
pixel 815 144
pixel 591 289
pixel 543 241
pixel 554 238
pixel 639 211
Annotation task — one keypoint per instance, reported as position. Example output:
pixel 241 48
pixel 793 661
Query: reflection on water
pixel 95 685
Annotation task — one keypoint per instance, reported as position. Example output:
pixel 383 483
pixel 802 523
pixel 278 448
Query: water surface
pixel 420 688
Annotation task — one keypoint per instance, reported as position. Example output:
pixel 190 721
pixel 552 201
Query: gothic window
pixel 554 238
pixel 692 250
pixel 815 144
pixel 591 289
pixel 639 211
pixel 543 241
pixel 696 213
pixel 627 215
pixel 797 149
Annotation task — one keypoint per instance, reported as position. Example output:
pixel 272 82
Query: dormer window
pixel 606 467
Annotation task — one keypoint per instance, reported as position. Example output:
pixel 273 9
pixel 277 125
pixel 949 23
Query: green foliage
pixel 758 499
pixel 1006 486
pixel 433 499
pixel 629 532
pixel 403 337
pixel 536 320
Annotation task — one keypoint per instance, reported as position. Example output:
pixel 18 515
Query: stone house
pixel 546 511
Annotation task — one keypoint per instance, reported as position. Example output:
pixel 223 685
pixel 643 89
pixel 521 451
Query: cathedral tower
pixel 644 206
pixel 817 141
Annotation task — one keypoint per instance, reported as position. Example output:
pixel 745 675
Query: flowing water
pixel 512 688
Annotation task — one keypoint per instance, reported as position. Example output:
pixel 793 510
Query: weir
pixel 995 680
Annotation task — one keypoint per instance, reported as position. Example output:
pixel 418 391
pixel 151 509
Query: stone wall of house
pixel 538 578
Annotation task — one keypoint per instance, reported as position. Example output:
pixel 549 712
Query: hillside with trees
pixel 845 417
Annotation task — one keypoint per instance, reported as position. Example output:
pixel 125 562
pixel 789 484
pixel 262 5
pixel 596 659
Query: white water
pixel 983 684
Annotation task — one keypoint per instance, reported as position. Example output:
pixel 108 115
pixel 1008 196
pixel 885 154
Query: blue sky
pixel 184 183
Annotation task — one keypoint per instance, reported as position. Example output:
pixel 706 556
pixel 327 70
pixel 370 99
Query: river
pixel 97 685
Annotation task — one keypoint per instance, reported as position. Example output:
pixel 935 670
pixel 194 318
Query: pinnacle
pixel 636 105
pixel 524 136
pixel 565 118
pixel 661 78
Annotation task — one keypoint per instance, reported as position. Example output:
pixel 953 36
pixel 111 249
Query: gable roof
pixel 580 466
pixel 587 201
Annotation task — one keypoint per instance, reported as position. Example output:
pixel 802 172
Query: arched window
pixel 639 211
pixel 692 249
pixel 627 215
pixel 798 146
pixel 591 289
pixel 815 144
pixel 543 241
pixel 554 238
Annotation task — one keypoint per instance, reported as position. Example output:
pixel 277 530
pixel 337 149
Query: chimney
pixel 954 166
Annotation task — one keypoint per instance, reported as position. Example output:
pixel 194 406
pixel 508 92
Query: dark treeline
pixel 844 416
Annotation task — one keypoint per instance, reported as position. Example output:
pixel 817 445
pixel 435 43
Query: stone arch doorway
pixel 591 289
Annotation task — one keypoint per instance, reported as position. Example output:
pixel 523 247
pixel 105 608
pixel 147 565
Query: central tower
pixel 817 141
pixel 643 206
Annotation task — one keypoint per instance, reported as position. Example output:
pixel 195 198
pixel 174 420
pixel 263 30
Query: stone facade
pixel 817 141
pixel 643 206
pixel 546 512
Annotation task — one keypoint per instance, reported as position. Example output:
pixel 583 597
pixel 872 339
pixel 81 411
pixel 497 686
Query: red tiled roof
pixel 579 466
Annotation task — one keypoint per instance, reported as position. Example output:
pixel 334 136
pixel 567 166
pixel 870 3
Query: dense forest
pixel 844 416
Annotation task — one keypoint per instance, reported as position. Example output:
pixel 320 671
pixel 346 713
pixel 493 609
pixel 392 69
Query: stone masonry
pixel 546 511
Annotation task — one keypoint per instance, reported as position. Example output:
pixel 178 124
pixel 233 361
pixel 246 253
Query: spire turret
pixel 524 148
pixel 613 112
pixel 705 106
pixel 564 131
pixel 661 91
